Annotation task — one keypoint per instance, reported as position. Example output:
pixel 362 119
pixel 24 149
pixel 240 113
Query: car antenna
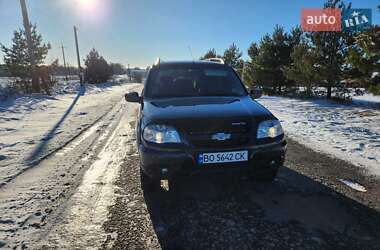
pixel 191 53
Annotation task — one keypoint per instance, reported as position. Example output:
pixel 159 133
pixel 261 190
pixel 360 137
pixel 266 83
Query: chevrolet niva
pixel 198 117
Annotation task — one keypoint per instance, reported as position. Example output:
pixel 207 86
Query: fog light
pixel 273 162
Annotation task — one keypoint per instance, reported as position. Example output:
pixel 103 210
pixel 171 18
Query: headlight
pixel 161 134
pixel 269 129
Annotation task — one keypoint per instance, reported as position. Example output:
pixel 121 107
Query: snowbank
pixel 367 99
pixel 348 132
pixel 62 86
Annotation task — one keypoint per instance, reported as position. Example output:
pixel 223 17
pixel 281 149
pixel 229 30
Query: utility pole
pixel 64 60
pixel 35 82
pixel 68 69
pixel 129 73
pixel 78 57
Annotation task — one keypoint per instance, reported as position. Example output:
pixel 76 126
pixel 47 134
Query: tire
pixel 148 184
pixel 174 185
pixel 267 177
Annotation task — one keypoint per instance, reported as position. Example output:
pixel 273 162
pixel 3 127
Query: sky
pixel 136 32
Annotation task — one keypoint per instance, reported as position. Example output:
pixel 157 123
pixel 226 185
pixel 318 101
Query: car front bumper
pixel 160 163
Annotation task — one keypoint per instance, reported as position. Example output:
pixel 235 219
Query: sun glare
pixel 92 9
pixel 87 4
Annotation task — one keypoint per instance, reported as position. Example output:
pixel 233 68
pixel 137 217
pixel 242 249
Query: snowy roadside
pixel 61 87
pixel 351 133
pixel 34 126
pixel 367 99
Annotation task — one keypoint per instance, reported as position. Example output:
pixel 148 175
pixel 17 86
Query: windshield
pixel 191 81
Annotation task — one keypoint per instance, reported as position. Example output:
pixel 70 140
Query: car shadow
pixel 229 212
pixel 40 148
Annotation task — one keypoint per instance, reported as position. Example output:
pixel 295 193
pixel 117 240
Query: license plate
pixel 223 157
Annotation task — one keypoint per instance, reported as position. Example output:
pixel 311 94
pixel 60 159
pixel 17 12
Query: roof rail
pixel 217 60
pixel 157 62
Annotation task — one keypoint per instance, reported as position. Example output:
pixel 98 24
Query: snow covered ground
pixel 367 99
pixel 87 210
pixel 351 133
pixel 33 126
pixel 62 86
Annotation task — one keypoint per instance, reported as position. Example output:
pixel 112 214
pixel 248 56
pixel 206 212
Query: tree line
pixel 294 62
pixel 18 64
pixel 306 63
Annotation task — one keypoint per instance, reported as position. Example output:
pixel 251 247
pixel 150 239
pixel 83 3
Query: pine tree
pixel 331 51
pixel 304 67
pixel 364 55
pixel 269 59
pixel 97 70
pixel 232 57
pixel 281 54
pixel 249 76
pixel 211 53
pixel 17 58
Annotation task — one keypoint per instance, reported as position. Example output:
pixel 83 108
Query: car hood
pixel 203 107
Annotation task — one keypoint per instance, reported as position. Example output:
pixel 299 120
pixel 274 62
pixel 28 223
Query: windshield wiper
pixel 234 100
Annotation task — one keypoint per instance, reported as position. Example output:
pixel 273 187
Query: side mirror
pixel 132 97
pixel 255 93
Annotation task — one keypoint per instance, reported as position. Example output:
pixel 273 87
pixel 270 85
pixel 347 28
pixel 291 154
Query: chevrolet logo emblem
pixel 221 136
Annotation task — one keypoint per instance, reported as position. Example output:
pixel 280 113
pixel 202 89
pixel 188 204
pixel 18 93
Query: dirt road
pixel 305 208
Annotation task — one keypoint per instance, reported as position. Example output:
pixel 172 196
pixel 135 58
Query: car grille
pixel 201 136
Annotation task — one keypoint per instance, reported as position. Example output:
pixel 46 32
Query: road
pixel 87 195
pixel 305 208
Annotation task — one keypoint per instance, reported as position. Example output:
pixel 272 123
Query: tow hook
pixel 164 184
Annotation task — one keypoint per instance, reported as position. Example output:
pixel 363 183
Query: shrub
pixel 97 70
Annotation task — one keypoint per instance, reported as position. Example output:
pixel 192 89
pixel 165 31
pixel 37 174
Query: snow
pixel 33 126
pixel 359 96
pixel 367 99
pixel 61 87
pixel 81 226
pixel 353 185
pixel 348 132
